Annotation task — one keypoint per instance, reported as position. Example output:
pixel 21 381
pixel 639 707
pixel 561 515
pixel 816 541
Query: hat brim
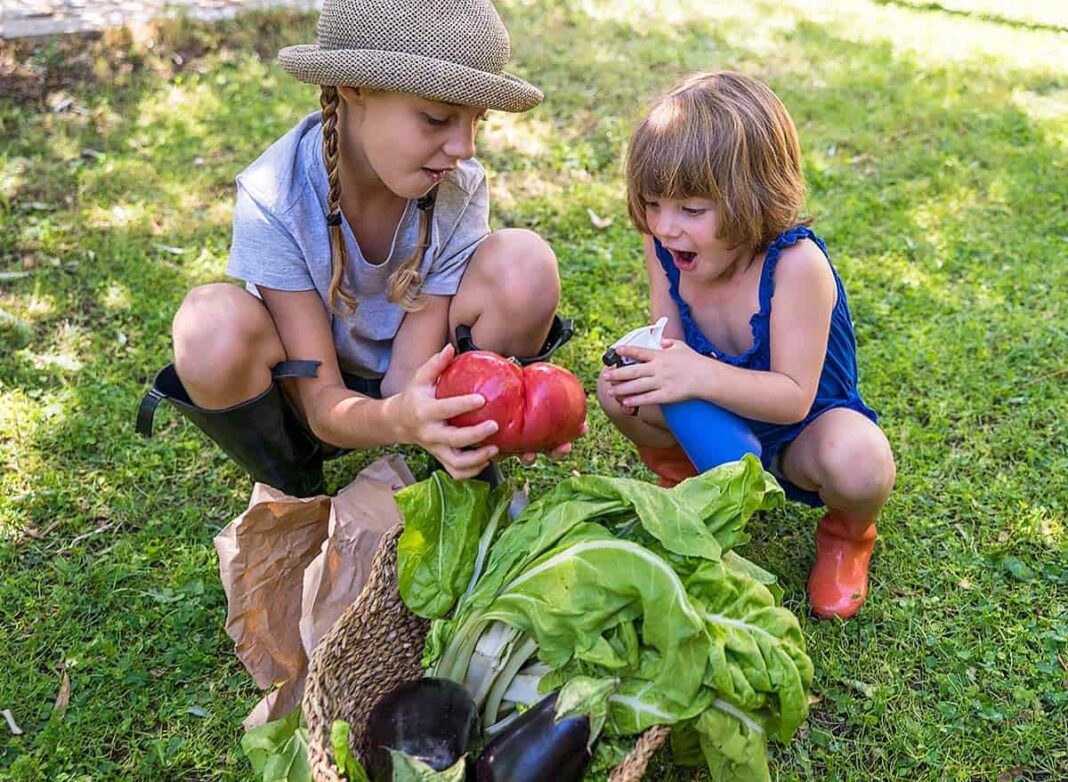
pixel 397 71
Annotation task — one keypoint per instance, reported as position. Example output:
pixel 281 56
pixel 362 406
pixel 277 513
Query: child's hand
pixel 424 421
pixel 663 376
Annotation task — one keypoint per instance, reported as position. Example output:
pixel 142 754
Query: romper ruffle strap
pixel 760 323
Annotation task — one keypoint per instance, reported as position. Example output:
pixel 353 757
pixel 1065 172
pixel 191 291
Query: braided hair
pixel 406 280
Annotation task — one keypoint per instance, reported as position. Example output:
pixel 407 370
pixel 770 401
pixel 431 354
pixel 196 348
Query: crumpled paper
pixel 290 566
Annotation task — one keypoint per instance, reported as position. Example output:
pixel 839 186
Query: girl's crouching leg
pixel 848 460
pixel 657 447
pixel 225 344
pixel 509 293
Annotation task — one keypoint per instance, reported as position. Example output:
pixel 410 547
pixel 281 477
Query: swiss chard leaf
pixel 409 769
pixel 733 743
pixel 278 750
pixel 571 596
pixel 436 553
pixel 758 655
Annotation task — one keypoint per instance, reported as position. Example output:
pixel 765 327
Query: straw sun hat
pixel 448 50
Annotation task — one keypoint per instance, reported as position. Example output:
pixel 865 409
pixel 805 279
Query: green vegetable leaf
pixel 585 696
pixel 343 757
pixel 278 750
pixel 739 564
pixel 733 743
pixel 666 514
pixel 758 655
pixel 568 598
pixel 727 496
pixel 637 705
pixel 409 769
pixel 436 553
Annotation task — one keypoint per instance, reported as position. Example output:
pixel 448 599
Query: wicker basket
pixel 376 645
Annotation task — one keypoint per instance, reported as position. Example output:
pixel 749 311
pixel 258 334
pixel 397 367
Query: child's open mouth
pixel 685 261
pixel 435 174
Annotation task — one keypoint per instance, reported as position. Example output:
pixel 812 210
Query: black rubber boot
pixel 559 333
pixel 263 435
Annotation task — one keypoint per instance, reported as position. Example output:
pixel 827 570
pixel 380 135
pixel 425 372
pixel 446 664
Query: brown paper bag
pixel 290 566
pixel 262 556
pixel 360 514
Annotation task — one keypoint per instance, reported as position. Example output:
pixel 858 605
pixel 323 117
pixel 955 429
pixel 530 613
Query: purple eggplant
pixel 432 720
pixel 537 748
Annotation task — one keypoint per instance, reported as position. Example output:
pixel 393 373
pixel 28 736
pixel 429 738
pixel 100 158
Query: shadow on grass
pixel 995 18
pixel 931 170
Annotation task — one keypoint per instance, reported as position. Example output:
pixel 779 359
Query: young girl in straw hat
pixel 362 236
pixel 757 317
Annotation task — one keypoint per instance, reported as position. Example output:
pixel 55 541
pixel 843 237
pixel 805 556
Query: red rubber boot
pixel 671 464
pixel 838 584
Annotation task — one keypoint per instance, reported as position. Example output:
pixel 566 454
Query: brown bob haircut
pixel 725 137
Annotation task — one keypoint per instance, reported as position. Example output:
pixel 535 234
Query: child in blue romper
pixel 714 183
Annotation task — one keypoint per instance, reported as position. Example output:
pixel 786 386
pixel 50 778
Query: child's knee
pixel 522 269
pixel 859 468
pixel 220 329
pixel 607 400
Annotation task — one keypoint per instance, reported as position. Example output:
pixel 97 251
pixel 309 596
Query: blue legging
pixel 708 434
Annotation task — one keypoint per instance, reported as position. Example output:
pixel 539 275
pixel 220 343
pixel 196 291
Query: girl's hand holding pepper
pixel 675 373
pixel 423 421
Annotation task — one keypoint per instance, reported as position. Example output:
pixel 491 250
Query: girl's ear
pixel 353 96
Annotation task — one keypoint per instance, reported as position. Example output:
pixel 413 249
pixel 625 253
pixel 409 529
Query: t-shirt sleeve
pixel 263 251
pixel 448 268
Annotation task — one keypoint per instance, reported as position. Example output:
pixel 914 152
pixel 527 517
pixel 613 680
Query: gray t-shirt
pixel 281 241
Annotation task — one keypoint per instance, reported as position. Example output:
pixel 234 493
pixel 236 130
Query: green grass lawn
pixel 934 143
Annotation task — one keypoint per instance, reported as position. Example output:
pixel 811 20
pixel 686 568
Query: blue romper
pixel 838 380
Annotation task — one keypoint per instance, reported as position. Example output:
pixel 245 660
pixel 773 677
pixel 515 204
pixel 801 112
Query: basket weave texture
pixel 375 646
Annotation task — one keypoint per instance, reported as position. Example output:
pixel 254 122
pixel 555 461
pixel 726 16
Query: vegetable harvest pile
pixel 627 598
pixel 606 607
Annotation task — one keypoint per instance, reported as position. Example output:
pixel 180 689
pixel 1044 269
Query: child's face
pixel 409 143
pixel 688 230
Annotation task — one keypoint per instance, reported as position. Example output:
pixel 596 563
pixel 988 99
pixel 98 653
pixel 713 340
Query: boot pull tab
pixel 146 411
pixel 297 368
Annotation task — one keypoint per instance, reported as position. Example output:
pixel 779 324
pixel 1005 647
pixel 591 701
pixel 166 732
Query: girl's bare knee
pixel 859 468
pixel 221 332
pixel 521 269
pixel 608 401
pixel 509 293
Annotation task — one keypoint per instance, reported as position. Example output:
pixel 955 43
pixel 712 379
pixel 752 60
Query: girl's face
pixel 409 143
pixel 688 230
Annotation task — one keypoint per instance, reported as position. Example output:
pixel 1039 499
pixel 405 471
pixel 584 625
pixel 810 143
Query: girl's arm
pixel 344 418
pixel 335 414
pixel 800 322
pixel 805 295
pixel 421 334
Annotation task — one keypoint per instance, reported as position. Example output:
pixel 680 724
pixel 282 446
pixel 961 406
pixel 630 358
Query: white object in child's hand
pixel 645 337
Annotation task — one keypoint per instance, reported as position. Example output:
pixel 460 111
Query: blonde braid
pixel 405 282
pixel 328 99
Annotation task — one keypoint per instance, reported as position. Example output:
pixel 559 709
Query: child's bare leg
pixel 225 344
pixel 847 459
pixel 649 432
pixel 645 428
pixel 509 293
